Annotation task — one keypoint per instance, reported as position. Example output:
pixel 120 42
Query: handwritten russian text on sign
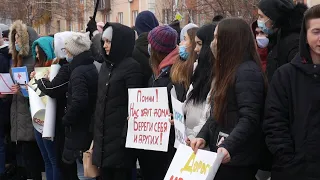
pixel 179 125
pixel 148 124
pixel 189 166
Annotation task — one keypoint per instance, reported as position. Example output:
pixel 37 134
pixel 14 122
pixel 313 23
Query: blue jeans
pixel 2 152
pixel 49 156
pixel 81 171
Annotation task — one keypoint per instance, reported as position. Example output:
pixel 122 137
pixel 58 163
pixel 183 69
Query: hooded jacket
pixel 46 44
pixel 145 22
pixel 81 99
pixel 284 44
pixel 140 54
pixel 21 122
pixel 263 52
pixel 118 73
pixel 292 117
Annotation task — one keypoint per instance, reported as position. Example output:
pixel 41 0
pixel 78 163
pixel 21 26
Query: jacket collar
pixel 84 58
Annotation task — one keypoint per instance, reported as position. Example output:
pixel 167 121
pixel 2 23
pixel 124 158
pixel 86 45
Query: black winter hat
pixel 276 10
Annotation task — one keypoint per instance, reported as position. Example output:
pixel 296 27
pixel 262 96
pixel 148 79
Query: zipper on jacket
pixel 159 77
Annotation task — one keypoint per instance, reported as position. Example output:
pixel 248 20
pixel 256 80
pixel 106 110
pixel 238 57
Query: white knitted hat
pixel 78 43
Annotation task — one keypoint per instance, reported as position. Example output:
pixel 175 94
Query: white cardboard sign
pixel 186 165
pixel 149 114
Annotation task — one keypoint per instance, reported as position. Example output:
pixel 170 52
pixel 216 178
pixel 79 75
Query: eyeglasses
pixel 64 50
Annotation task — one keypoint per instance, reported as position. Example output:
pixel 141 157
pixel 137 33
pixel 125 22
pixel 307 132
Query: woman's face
pixel 186 42
pixel 198 47
pixel 214 43
pixel 17 38
pixel 262 17
pixel 107 46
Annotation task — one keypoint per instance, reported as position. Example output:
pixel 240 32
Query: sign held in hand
pixel 186 165
pixel 149 115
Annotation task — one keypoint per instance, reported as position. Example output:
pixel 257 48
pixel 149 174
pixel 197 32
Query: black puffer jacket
pixel 119 72
pixel 81 99
pixel 292 118
pixel 140 54
pixel 284 45
pixel 245 103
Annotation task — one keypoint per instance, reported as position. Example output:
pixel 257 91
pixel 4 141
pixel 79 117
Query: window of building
pixel 120 17
pixel 70 28
pixel 107 17
pixel 134 16
pixel 38 30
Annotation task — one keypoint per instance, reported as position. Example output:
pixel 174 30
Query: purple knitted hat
pixel 163 39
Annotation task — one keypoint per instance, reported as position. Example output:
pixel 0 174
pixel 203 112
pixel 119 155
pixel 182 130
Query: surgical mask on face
pixel 18 48
pixel 149 49
pixel 262 42
pixel 183 52
pixel 264 28
pixel 69 59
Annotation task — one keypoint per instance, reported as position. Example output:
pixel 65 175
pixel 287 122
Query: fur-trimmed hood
pixel 27 36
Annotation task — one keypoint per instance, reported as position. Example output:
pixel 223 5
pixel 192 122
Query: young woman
pixel 237 101
pixel 57 88
pixel 118 73
pixel 81 99
pixel 43 53
pixel 197 104
pixel 163 54
pixel 21 38
pixel 182 69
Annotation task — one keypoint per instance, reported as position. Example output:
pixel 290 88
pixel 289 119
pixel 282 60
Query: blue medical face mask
pixel 263 27
pixel 183 52
pixel 18 48
pixel 149 49
pixel 69 59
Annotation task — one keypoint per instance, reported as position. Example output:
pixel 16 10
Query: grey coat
pixel 21 122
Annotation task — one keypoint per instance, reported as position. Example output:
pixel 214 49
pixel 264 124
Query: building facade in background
pixel 52 16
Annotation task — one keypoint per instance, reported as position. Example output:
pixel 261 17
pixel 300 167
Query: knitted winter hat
pixel 276 9
pixel 163 39
pixel 78 43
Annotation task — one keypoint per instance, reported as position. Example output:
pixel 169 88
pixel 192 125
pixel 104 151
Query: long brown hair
pixel 235 44
pixel 182 70
pixel 41 60
pixel 155 60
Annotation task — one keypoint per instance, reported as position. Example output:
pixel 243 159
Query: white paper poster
pixel 186 165
pixel 37 108
pixel 179 124
pixel 149 115
pixel 51 107
pixel 6 83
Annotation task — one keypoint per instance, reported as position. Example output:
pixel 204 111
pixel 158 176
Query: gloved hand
pixel 91 26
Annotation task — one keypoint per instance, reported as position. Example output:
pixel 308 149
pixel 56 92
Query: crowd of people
pixel 250 92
